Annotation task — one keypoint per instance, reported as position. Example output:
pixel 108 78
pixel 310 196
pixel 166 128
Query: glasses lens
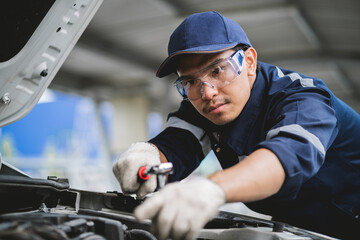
pixel 216 76
pixel 180 88
pixel 221 74
pixel 191 88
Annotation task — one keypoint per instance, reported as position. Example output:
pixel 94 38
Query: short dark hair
pixel 241 47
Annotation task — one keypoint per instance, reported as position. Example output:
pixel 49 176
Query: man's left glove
pixel 181 209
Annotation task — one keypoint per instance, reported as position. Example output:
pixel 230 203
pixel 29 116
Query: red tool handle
pixel 142 175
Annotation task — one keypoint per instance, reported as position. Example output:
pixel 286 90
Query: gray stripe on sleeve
pixel 196 131
pixel 300 131
pixel 305 82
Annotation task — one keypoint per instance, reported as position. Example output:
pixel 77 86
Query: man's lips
pixel 215 107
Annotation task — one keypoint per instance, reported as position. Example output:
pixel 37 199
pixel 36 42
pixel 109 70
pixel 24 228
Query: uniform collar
pixel 237 133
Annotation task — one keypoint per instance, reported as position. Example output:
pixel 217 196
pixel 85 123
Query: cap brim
pixel 169 64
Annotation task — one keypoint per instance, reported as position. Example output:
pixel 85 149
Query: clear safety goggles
pixel 216 75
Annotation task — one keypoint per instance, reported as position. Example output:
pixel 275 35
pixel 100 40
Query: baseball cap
pixel 201 33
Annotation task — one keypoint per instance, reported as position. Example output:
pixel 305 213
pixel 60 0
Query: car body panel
pixel 27 74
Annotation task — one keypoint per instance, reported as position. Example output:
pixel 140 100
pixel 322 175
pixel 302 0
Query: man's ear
pixel 251 61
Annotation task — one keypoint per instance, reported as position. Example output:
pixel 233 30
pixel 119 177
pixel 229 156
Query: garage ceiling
pixel 126 41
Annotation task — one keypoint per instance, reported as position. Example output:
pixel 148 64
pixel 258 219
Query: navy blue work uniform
pixel 315 135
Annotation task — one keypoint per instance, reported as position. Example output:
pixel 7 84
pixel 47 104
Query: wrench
pixel 161 171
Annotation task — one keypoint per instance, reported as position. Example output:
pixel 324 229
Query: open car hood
pixel 37 36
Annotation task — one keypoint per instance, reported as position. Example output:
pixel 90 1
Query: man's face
pixel 221 106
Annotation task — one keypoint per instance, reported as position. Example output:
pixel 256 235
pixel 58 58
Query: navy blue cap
pixel 207 32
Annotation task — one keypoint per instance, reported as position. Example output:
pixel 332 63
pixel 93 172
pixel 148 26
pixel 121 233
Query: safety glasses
pixel 217 75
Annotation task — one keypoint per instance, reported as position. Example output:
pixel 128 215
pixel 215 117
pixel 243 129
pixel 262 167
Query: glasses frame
pixel 236 60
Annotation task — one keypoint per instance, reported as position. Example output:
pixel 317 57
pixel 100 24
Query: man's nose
pixel 208 91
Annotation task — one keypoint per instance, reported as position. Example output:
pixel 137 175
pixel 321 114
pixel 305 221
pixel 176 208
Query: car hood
pixel 39 36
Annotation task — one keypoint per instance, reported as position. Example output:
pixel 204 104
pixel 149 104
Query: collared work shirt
pixel 314 134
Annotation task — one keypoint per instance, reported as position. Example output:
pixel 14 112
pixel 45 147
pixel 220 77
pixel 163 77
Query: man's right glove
pixel 127 166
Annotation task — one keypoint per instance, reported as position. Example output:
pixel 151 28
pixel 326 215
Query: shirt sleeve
pixel 183 142
pixel 181 148
pixel 302 127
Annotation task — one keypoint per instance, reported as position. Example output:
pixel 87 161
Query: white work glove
pixel 181 209
pixel 127 166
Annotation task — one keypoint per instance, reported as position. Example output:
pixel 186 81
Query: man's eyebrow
pixel 185 77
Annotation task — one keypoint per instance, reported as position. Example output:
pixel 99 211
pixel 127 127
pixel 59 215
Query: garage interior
pixel 118 55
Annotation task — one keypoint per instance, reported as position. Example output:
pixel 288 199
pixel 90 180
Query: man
pixel 288 146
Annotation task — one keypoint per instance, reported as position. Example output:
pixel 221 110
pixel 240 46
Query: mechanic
pixel 288 147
